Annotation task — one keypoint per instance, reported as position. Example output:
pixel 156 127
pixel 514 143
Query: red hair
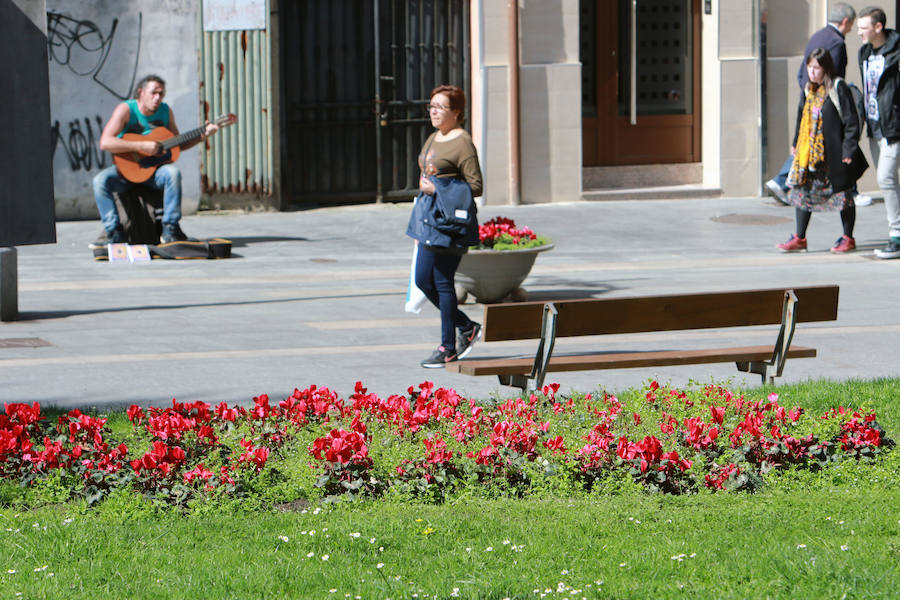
pixel 456 96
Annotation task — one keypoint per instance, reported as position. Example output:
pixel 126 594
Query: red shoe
pixel 794 244
pixel 844 244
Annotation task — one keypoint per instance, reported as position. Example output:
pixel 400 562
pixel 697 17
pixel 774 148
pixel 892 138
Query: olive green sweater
pixel 452 158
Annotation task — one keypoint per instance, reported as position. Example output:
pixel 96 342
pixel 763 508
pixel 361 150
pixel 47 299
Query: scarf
pixel 810 150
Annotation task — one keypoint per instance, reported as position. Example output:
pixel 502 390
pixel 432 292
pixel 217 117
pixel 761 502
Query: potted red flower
pixel 494 270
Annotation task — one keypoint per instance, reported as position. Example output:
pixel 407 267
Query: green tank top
pixel 141 123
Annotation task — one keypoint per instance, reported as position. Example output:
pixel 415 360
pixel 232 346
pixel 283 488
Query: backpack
pixel 857 95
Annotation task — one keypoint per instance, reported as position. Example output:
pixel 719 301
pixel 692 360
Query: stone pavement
pixel 316 297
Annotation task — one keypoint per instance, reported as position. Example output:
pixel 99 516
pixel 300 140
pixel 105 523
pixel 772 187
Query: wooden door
pixel 656 119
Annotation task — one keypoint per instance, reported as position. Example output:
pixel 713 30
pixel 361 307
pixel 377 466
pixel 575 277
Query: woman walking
pixel 448 154
pixel 827 158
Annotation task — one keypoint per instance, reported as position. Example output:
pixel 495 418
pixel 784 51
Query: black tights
pixel 848 220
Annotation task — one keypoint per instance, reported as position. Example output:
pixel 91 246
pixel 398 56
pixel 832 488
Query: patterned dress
pixel 811 187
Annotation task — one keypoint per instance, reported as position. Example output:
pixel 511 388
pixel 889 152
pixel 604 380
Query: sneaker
pixel 116 236
pixel 892 250
pixel 466 339
pixel 862 200
pixel 844 244
pixel 777 191
pixel 794 244
pixel 171 232
pixel 440 358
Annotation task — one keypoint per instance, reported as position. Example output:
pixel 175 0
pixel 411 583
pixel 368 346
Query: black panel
pixel 27 213
pixel 337 107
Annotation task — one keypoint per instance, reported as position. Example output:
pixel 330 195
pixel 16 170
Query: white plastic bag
pixel 415 298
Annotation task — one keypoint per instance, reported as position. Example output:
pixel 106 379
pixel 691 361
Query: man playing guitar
pixel 140 115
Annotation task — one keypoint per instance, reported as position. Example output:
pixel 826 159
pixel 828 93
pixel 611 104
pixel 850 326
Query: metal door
pixel 356 81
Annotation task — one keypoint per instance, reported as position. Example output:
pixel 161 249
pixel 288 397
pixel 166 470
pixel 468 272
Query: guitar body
pixel 137 167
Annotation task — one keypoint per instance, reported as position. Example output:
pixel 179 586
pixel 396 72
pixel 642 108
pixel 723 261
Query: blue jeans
pixel 108 181
pixel 781 178
pixel 434 276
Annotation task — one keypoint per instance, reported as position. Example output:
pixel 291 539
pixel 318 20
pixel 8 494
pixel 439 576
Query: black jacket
pixel 841 132
pixel 887 94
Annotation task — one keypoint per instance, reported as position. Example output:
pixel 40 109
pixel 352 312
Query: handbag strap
pixel 427 148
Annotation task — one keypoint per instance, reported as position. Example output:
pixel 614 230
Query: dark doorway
pixel 356 76
pixel 653 117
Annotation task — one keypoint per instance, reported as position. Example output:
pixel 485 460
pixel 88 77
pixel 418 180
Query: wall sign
pixel 228 15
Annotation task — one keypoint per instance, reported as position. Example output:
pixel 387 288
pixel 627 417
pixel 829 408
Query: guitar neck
pixel 187 136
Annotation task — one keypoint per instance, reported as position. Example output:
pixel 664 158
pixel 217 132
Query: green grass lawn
pixel 834 533
pixel 804 544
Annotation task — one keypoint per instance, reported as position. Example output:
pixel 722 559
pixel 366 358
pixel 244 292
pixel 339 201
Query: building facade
pixel 568 99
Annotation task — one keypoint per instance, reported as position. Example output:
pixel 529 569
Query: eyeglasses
pixel 437 107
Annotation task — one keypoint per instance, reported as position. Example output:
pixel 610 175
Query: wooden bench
pixel 547 321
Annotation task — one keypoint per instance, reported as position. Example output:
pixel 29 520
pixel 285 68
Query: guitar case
pixel 140 213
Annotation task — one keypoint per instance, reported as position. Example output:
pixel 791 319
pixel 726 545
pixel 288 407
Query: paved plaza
pixel 317 297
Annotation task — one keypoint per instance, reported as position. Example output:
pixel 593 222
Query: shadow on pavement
pixel 62 314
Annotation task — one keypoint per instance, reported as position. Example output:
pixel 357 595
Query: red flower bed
pixel 667 440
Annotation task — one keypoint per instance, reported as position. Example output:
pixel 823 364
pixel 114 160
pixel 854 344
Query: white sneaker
pixel 776 191
pixel 862 200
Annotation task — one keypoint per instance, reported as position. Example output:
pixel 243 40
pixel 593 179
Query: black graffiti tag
pixel 79 147
pixel 82 46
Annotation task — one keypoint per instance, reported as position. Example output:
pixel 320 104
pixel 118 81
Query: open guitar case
pixel 140 213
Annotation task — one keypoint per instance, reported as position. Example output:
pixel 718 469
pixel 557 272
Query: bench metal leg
pixel 773 368
pixel 760 367
pixel 519 381
pixel 534 380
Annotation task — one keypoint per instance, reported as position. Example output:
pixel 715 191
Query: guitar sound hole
pixel 155 161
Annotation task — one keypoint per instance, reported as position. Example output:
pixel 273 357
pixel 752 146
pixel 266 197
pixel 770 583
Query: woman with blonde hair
pixel 827 158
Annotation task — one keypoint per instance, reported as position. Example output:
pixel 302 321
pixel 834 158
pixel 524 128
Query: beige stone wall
pixel 732 107
pixel 739 98
pixel 710 91
pixel 549 100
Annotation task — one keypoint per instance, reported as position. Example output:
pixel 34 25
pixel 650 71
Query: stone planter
pixel 492 275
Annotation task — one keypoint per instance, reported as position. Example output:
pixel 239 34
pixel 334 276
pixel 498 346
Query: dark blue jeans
pixel 434 276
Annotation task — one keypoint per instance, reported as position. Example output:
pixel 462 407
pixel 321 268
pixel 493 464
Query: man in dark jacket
pixel 878 58
pixel 831 37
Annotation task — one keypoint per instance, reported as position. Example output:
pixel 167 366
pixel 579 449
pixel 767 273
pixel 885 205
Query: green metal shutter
pixel 235 77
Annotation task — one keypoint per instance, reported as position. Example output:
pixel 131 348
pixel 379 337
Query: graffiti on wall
pixel 83 47
pixel 81 145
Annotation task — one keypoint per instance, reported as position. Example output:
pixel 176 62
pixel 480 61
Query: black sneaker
pixel 171 232
pixel 892 250
pixel 466 339
pixel 440 358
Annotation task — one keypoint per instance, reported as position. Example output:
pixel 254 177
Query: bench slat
pixel 600 316
pixel 621 360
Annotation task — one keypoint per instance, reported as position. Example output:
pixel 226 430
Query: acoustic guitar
pixel 138 167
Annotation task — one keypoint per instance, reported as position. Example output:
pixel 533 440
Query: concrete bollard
pixel 9 287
